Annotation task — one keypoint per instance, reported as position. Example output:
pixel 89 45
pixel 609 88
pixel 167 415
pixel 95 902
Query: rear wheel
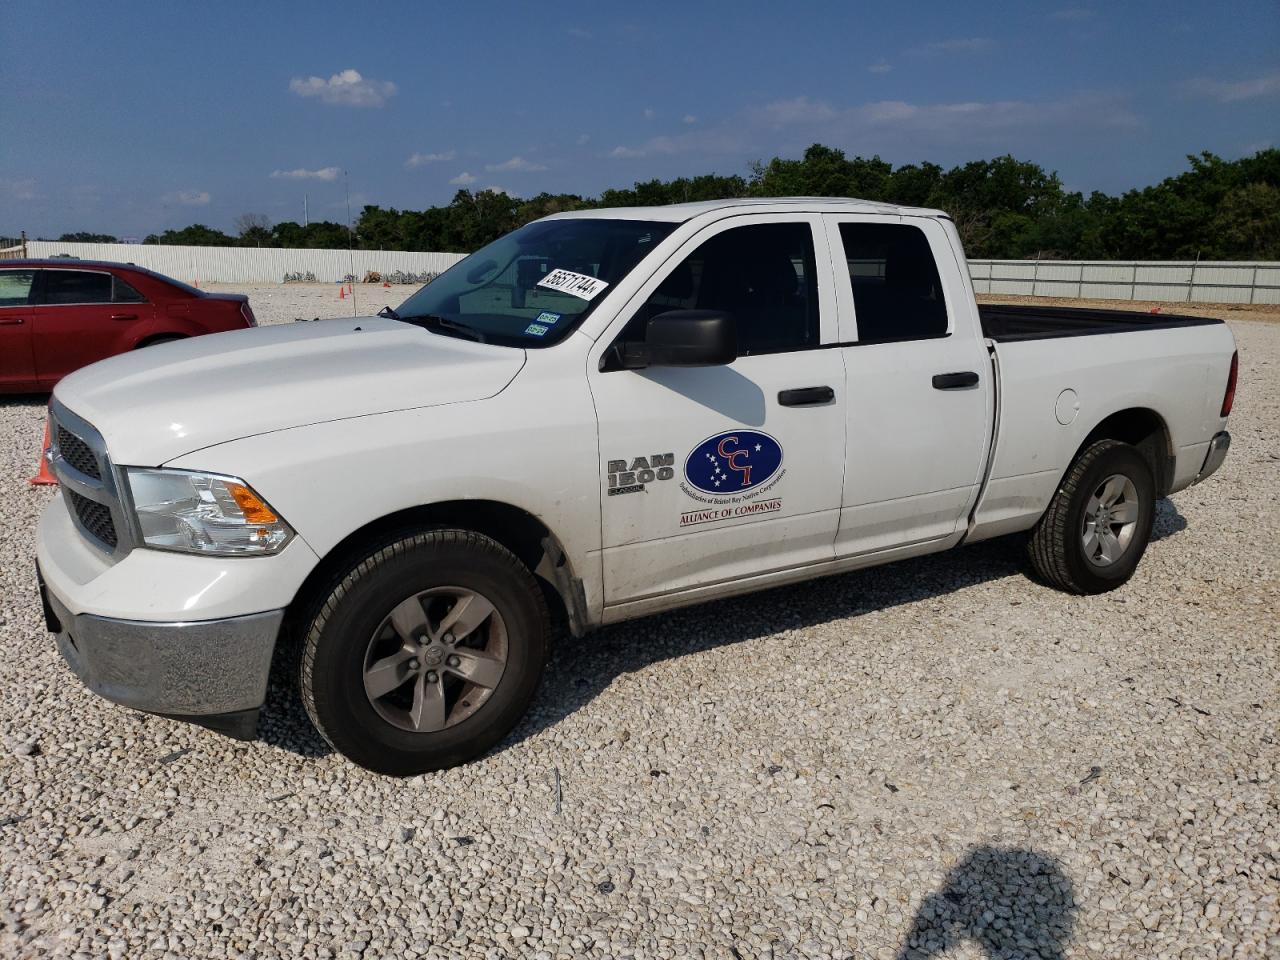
pixel 169 338
pixel 1097 526
pixel 426 654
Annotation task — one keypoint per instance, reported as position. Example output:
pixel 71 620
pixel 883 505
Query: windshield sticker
pixel 536 329
pixel 548 318
pixel 577 284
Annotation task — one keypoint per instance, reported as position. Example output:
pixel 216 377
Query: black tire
pixel 336 642
pixel 1056 548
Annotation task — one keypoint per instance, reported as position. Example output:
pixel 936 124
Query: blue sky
pixel 129 118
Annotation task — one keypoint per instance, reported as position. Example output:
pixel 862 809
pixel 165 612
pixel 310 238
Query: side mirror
pixel 481 270
pixel 684 338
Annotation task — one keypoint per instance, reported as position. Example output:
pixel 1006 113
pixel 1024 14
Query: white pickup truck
pixel 602 415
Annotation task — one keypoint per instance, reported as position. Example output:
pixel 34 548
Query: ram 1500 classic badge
pixel 632 477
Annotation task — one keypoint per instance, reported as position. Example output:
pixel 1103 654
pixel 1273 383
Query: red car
pixel 59 315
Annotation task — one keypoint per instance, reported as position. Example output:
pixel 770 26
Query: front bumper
pixel 1218 448
pixel 211 672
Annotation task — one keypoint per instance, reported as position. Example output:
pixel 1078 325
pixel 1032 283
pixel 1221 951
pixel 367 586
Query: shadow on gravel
pixel 1168 520
pixel 1009 902
pixel 581 668
pixel 284 722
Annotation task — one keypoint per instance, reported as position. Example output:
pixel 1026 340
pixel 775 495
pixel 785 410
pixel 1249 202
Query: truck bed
pixel 1006 323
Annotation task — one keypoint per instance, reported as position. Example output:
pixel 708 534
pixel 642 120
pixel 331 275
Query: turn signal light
pixel 254 510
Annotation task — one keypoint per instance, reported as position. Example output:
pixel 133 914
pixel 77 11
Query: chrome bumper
pixel 1218 448
pixel 210 672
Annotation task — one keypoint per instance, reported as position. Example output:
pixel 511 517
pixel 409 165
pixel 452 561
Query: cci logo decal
pixel 734 462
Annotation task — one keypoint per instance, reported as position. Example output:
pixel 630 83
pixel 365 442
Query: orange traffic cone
pixel 342 292
pixel 387 285
pixel 43 477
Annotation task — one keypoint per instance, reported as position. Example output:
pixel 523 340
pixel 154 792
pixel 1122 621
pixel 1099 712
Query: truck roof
pixel 680 212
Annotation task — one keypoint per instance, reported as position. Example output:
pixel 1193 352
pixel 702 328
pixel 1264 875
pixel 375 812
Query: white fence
pixel 1175 281
pixel 250 264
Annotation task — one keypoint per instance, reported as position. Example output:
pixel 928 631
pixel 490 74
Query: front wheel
pixel 426 654
pixel 1096 528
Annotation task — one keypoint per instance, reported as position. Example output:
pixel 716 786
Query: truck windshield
pixel 533 286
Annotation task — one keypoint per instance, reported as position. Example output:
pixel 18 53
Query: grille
pixel 94 517
pixel 77 454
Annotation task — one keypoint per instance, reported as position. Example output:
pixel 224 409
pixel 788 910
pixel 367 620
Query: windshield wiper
pixel 389 313
pixel 437 323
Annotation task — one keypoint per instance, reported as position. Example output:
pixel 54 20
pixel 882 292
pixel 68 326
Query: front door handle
pixel 955 381
pixel 806 396
pixel 12 321
pixel 124 316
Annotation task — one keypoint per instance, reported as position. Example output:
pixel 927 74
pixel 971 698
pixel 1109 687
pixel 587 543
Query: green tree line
pixel 1004 208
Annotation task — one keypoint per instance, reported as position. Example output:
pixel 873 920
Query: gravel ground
pixel 933 756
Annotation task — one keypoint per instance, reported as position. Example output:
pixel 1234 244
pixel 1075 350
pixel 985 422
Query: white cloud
pixel 464 179
pixel 347 88
pixel 956 45
pixel 324 173
pixel 880 66
pixel 189 198
pixel 1267 85
pixel 422 159
pixel 896 124
pixel 583 139
pixel 519 164
pixel 689 119
pixel 23 189
pixel 578 33
pixel 648 113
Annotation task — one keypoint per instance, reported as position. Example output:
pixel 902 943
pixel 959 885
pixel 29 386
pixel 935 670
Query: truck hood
pixel 161 402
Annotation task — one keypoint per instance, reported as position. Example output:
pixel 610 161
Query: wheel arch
pixel 1144 429
pixel 521 532
pixel 162 337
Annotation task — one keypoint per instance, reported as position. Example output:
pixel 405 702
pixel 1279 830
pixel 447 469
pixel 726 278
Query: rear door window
pixel 15 287
pixel 897 293
pixel 76 286
pixel 122 292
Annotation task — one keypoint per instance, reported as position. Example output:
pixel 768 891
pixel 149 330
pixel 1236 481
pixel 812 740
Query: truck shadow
pixel 1008 902
pixel 581 668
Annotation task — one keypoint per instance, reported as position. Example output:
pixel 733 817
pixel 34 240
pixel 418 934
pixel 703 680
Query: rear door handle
pixel 806 396
pixel 12 321
pixel 124 316
pixel 955 381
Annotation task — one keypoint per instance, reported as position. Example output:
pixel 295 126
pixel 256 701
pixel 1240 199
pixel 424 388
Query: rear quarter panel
pixel 1180 374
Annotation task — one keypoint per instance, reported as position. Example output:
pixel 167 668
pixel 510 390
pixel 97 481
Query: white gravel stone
pixel 887 764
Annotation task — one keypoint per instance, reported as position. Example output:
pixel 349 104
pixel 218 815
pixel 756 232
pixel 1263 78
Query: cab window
pixel 897 294
pixel 762 274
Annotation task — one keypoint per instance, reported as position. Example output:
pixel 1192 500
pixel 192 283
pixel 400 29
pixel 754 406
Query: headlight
pixel 204 513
